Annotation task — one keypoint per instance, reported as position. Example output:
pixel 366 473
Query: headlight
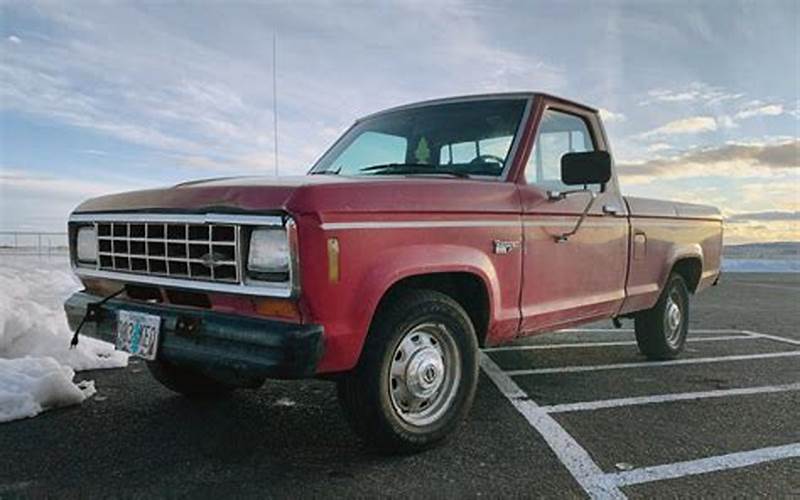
pixel 269 255
pixel 86 245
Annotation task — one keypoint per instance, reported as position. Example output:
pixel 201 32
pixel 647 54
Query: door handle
pixel 610 209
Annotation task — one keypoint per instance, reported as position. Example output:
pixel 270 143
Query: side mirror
pixel 593 167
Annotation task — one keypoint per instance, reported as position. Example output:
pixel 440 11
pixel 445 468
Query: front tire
pixel 661 331
pixel 416 378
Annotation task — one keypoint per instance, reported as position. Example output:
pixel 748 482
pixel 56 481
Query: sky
pixel 701 100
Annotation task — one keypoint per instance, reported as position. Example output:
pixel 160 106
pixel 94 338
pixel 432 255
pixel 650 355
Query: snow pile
pixel 29 386
pixel 36 363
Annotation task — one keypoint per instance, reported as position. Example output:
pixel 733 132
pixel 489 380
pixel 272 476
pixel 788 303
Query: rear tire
pixel 661 331
pixel 191 383
pixel 416 378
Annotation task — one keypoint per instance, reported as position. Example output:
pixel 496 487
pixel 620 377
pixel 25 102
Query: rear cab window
pixel 466 152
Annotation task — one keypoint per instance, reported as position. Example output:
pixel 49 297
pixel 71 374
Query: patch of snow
pixel 761 265
pixel 36 362
pixel 28 386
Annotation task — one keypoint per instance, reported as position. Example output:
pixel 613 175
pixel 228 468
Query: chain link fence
pixel 33 243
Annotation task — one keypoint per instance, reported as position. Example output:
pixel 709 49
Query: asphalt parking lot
pixel 568 414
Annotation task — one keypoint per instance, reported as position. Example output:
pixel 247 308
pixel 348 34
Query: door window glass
pixel 559 133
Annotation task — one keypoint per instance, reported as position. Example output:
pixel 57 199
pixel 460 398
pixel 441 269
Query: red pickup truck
pixel 423 234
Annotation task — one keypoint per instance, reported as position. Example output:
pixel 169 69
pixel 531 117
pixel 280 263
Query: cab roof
pixel 482 97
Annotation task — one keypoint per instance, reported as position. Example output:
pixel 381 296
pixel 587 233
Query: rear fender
pixel 680 252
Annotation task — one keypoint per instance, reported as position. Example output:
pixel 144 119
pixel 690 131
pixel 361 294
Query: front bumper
pixel 224 346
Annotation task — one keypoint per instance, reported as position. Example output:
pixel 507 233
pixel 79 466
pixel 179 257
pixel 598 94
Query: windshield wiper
pixel 413 168
pixel 333 171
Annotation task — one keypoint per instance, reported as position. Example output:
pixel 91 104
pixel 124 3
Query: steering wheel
pixel 492 159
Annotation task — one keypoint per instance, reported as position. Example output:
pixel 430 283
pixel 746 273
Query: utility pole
pixel 275 94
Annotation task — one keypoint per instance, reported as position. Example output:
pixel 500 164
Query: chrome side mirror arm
pixel 560 195
pixel 555 195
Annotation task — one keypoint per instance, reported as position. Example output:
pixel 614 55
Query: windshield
pixel 460 138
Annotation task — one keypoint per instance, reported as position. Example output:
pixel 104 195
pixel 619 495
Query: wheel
pixel 416 378
pixel 188 382
pixel 661 331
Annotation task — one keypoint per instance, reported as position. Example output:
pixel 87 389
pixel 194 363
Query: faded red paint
pixel 602 272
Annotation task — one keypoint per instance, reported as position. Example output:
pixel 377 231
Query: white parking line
pixel 772 337
pixel 650 364
pixel 704 465
pixel 668 398
pixel 574 457
pixel 577 460
pixel 631 330
pixel 567 345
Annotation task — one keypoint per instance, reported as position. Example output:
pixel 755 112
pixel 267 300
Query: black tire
pixel 188 382
pixel 659 333
pixel 372 398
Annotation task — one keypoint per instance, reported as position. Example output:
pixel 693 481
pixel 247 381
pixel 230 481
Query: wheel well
pixel 465 288
pixel 690 270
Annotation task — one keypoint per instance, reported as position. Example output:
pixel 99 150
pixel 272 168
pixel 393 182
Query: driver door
pixel 582 278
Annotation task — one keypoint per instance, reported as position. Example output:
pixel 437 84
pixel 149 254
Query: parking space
pixel 617 421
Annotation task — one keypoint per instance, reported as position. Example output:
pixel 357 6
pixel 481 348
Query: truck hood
pixel 315 194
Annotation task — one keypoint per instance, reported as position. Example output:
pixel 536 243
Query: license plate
pixel 137 333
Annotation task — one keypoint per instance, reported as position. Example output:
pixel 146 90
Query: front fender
pixel 399 263
pixel 392 265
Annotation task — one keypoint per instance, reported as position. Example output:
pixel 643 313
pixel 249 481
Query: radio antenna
pixel 275 94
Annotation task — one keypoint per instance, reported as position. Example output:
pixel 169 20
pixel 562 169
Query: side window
pixel 559 133
pixel 372 148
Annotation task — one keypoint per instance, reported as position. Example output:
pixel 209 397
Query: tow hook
pixel 187 326
pixel 617 323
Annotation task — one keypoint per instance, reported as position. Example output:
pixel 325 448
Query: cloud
pixel 137 75
pixel 727 107
pixel 49 186
pixel 659 146
pixel 14 39
pixel 692 125
pixel 768 195
pixel 610 116
pixel 692 93
pixel 773 215
pixel 726 121
pixel 756 108
pixel 95 152
pixel 33 201
pixel 760 231
pixel 741 160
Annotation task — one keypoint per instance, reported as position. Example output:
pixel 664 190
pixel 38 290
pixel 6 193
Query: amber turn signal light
pixel 280 308
pixel 333 260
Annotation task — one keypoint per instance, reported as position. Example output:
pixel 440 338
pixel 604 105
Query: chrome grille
pixel 207 252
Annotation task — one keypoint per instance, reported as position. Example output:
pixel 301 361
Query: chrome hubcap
pixel 673 319
pixel 424 374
